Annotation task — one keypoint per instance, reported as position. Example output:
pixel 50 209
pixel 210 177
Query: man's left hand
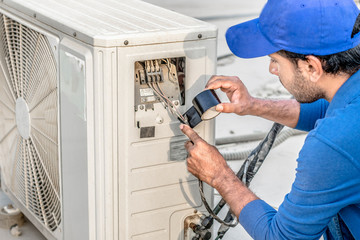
pixel 204 160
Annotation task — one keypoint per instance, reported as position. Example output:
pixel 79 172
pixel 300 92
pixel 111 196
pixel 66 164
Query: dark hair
pixel 346 62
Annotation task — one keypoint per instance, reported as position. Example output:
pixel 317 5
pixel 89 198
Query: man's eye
pixel 273 60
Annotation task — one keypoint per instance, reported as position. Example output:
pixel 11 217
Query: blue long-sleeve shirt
pixel 327 178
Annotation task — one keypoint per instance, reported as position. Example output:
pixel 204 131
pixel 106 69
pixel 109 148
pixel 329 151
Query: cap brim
pixel 245 40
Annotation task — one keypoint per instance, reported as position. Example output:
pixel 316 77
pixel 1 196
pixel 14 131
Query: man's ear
pixel 312 67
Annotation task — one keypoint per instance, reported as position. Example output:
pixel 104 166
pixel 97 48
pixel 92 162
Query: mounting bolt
pixel 141 107
pixel 200 35
pixel 126 42
pixel 159 120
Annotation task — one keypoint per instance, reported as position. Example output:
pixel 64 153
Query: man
pixel 314 50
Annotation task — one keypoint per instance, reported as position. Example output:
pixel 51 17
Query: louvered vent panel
pixel 31 163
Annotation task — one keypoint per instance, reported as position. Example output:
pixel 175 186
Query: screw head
pixel 126 42
pixel 200 35
pixel 74 34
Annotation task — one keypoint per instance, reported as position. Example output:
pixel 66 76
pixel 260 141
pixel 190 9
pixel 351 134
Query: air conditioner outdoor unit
pixel 87 148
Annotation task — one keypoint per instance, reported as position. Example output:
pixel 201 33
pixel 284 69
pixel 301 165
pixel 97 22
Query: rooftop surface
pixel 275 177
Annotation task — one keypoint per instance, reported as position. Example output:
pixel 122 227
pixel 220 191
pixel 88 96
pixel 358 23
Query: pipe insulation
pixel 239 155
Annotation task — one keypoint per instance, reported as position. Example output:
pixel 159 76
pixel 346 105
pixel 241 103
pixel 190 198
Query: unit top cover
pixel 109 23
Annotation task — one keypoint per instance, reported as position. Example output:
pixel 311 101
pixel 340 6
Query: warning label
pixel 177 150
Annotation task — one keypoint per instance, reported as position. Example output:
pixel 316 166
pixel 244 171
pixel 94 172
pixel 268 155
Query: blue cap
pixel 316 27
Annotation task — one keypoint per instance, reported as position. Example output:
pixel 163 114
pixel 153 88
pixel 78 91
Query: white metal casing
pixel 115 185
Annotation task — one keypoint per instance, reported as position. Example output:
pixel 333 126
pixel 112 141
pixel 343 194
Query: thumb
pixel 226 107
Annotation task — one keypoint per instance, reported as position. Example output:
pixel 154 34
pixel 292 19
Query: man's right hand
pixel 285 111
pixel 240 99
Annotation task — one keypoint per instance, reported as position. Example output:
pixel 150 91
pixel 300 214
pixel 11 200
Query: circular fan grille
pixel 29 134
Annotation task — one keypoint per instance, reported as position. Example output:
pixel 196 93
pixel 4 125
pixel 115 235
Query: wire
pixel 252 164
pixel 154 85
pixel 171 103
pixel 246 173
pixel 166 101
pixel 168 66
pixel 210 211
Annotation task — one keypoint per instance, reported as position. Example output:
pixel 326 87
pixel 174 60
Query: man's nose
pixel 273 69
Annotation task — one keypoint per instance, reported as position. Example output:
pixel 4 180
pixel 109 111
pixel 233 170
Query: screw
pixel 141 107
pixel 200 35
pixel 74 34
pixel 126 42
pixel 34 15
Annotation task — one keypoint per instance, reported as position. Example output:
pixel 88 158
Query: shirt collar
pixel 346 93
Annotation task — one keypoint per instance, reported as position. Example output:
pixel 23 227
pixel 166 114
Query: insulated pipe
pixel 240 139
pixel 238 155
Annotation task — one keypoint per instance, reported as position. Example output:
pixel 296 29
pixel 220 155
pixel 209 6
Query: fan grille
pixel 30 165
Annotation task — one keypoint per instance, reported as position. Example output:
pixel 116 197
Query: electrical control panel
pixel 159 93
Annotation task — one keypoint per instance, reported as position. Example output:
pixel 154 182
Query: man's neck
pixel 332 83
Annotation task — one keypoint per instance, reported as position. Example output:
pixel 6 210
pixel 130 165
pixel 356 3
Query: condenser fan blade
pixel 40 195
pixel 43 74
pixel 44 134
pixel 11 144
pixel 7 103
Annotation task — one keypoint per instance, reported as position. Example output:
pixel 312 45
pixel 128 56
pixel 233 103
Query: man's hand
pixel 204 161
pixel 207 164
pixel 240 99
pixel 286 112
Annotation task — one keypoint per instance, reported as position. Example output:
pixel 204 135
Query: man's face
pixel 292 78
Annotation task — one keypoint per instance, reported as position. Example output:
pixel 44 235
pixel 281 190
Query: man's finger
pixel 213 79
pixel 226 107
pixel 211 84
pixel 190 133
pixel 220 83
pixel 188 145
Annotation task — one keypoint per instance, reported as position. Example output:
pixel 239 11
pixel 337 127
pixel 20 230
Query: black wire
pixel 246 173
pixel 213 215
pixel 255 160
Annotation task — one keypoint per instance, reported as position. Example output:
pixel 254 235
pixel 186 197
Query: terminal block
pixel 155 78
